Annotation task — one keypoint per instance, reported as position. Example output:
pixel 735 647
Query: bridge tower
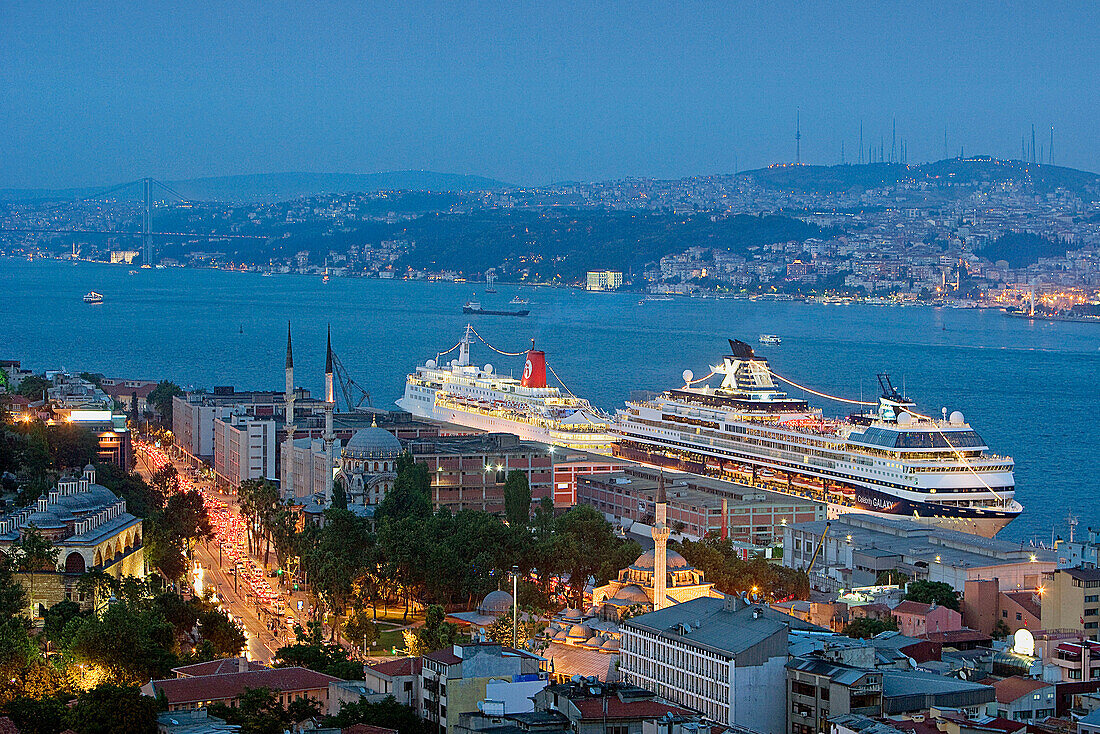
pixel 147 221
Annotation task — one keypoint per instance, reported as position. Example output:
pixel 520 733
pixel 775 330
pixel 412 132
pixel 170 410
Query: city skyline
pixel 576 92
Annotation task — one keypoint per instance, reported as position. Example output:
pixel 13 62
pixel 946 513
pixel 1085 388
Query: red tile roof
pixel 447 657
pixel 912 607
pixel 956 636
pixel 366 729
pixel 394 668
pixel 1011 689
pixel 1026 599
pixel 215 667
pixel 230 685
pixel 7 726
pixel 592 708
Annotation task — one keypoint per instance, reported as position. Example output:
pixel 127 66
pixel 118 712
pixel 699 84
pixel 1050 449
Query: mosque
pixel 635 589
pixel 367 463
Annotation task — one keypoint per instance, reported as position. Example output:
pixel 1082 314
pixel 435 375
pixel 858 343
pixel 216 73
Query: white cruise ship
pixel 475 396
pixel 893 461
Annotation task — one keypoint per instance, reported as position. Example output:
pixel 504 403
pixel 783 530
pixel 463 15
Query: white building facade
pixel 244 448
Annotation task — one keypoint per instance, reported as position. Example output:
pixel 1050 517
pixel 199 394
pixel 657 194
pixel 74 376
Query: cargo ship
pixel 891 460
pixel 478 397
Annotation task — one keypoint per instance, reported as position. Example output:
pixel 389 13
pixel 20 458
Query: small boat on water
pixel 770 339
pixel 654 299
pixel 473 307
pixel 517 301
pixel 93 297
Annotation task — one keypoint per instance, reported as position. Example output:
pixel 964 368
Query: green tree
pixel 35 553
pixel 863 628
pixel 339 495
pixel 1000 630
pixel 387 713
pixel 411 495
pixel 131 644
pixel 360 629
pixel 71 446
pixel 110 709
pixel 435 634
pixel 165 480
pixel 160 398
pixel 258 711
pixel 582 540
pixel 337 559
pixel 527 631
pixel 310 650
pixel 891 577
pixel 57 618
pixel 517 499
pixel 38 715
pixel 932 592
pixel 170 531
pixel 141 499
pixel 33 387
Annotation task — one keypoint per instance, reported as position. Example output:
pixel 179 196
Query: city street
pixel 239 582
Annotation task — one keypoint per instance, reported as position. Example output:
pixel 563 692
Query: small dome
pixel 495 603
pixel 372 443
pixel 632 593
pixel 579 632
pixel 572 614
pixel 43 521
pixel 593 641
pixel 673 561
pixel 610 645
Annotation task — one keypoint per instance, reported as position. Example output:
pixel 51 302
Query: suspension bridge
pixel 149 186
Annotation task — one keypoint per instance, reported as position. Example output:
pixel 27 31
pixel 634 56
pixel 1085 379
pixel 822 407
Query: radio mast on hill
pixel 797 139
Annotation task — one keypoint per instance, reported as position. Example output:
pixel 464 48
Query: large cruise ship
pixel 892 461
pixel 475 396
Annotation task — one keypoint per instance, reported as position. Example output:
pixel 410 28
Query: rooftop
pixel 399 667
pixel 1013 688
pixel 230 685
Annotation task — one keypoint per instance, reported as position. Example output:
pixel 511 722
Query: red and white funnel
pixel 534 372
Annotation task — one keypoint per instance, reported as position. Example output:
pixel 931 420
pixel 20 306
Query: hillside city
pixel 973 231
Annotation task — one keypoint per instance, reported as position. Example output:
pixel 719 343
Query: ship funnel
pixel 534 372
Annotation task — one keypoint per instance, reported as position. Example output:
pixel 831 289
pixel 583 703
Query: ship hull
pixel 839 496
pixel 490 312
pixel 595 443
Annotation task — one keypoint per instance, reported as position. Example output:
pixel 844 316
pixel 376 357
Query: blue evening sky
pixel 100 92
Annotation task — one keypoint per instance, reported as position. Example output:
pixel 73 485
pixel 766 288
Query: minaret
pixel 330 406
pixel 287 482
pixel 660 546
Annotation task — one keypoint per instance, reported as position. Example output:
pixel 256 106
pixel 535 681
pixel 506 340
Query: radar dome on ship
pixel 454 362
pixel 430 364
pixel 488 369
pixel 688 375
pixel 904 419
pixel 956 417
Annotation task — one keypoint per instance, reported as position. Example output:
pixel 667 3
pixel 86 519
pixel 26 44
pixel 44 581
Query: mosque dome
pixel 610 645
pixel 43 521
pixel 632 593
pixel 673 561
pixel 495 603
pixel 572 614
pixel 372 443
pixel 579 632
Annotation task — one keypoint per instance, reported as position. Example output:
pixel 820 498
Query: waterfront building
pixel 721 657
pixel 469 472
pixel 569 464
pixel 244 448
pixel 76 401
pixel 603 280
pixel 697 505
pixel 858 546
pixel 91 529
pixel 1071 600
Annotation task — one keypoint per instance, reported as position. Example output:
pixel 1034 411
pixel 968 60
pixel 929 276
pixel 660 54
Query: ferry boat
pixel 475 396
pixel 93 297
pixel 891 461
pixel 770 340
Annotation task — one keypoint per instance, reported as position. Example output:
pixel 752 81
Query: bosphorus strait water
pixel 1029 388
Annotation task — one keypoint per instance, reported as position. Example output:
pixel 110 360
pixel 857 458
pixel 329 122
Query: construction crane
pixel 353 393
pixel 817 550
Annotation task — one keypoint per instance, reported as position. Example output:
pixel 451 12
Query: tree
pixel 932 592
pixel 339 495
pixel 360 628
pixel 38 715
pixel 171 530
pixel 891 577
pixel 387 713
pixel 258 711
pixel 141 499
pixel 411 495
pixel 517 499
pixel 310 650
pixel 35 553
pixel 527 631
pixel 132 644
pixel 71 445
pixel 582 540
pixel 435 634
pixel 1000 630
pixel 57 618
pixel 160 398
pixel 109 709
pixel 863 628
pixel 33 387
pixel 165 480
pixel 336 560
